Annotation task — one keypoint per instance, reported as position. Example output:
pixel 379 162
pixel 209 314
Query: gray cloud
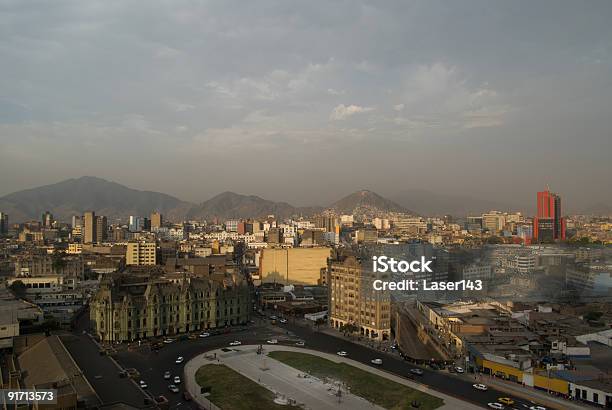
pixel 427 93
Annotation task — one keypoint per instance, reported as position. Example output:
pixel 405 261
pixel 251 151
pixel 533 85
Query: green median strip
pixel 375 389
pixel 230 390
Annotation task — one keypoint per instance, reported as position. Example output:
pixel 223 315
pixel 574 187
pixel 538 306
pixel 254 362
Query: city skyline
pixel 264 98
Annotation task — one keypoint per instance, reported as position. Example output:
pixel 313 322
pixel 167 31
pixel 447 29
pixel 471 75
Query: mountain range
pixel 74 196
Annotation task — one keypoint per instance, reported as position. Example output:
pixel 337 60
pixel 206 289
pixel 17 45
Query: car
pixel 459 369
pixel 418 372
pixel 173 388
pixel 205 334
pixel 235 343
pixel 480 386
pixel 537 408
pixel 273 317
pixel 376 361
pixel 273 341
pixel 300 343
pixel 283 320
pixel 342 353
pixel 177 380
pixel 506 400
pixel 179 360
pixel 497 406
pixel 168 341
pixel 167 375
pixel 143 384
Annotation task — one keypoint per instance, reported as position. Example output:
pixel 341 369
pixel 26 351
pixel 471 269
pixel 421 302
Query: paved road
pixel 440 381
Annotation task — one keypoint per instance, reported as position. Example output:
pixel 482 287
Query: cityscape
pixel 321 205
pixel 105 300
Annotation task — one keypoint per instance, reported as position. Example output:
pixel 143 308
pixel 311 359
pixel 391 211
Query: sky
pixel 308 101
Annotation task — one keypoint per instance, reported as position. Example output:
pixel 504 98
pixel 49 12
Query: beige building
pixel 156 220
pixel 89 222
pixel 293 265
pixel 354 305
pixel 141 253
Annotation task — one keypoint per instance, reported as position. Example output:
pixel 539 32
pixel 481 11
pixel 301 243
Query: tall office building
pixel 90 222
pixel 156 220
pixel 47 219
pixel 101 229
pixel 3 223
pixel 76 221
pixel 548 224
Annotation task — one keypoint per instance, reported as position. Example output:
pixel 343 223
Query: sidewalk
pixel 290 382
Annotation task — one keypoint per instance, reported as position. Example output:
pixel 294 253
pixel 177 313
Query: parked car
pixel 173 388
pixel 205 334
pixel 537 408
pixel 459 369
pixel 143 384
pixel 283 320
pixel 179 360
pixel 418 372
pixel 377 361
pixel 273 341
pixel 177 380
pixel 168 341
pixel 235 343
pixel 496 406
pixel 300 343
pixel 342 353
pixel 167 375
pixel 480 386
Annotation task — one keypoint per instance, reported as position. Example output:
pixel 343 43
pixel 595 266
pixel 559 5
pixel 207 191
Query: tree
pixel 19 289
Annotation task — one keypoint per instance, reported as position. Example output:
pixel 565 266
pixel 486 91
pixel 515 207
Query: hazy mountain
pixel 74 196
pixel 429 203
pixel 364 200
pixel 232 205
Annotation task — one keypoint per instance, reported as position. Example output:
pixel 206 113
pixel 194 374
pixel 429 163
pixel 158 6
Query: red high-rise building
pixel 548 223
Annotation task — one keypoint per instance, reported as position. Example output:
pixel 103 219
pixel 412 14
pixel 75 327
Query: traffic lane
pixel 152 365
pixel 447 384
pixel 102 373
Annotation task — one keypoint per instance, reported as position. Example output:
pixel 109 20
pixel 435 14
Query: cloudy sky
pixel 308 101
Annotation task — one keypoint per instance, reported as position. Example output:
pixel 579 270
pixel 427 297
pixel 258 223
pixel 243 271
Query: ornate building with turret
pixel 128 308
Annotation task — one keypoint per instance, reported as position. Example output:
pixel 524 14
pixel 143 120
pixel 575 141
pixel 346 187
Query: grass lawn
pixel 232 391
pixel 376 389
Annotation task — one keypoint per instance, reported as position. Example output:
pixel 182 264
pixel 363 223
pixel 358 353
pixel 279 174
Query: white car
pixel 376 361
pixel 235 343
pixel 537 408
pixel 480 386
pixel 497 406
pixel 205 334
pixel 459 369
pixel 283 320
pixel 168 341
pixel 167 375
pixel 418 372
pixel 173 388
pixel 342 353
pixel 177 380
pixel 143 384
pixel 273 341
pixel 179 360
pixel 300 343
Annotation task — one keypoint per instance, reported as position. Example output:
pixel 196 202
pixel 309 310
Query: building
pixel 101 229
pixel 294 265
pixel 47 219
pixel 90 222
pixel 126 309
pixel 156 220
pixel 355 306
pixel 548 220
pixel 4 223
pixel 494 221
pixel 141 253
